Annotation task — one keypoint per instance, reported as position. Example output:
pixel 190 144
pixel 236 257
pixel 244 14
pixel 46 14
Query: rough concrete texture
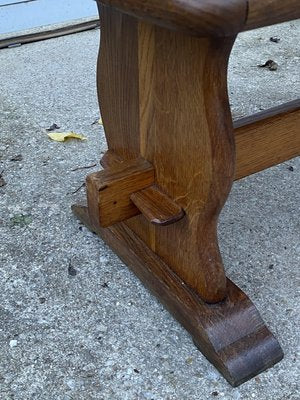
pixel 75 323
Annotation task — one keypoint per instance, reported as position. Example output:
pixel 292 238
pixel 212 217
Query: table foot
pixel 231 334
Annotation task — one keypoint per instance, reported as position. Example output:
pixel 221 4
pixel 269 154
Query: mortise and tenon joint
pixel 173 154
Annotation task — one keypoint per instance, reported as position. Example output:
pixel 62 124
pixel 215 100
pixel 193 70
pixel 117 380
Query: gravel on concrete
pixel 74 322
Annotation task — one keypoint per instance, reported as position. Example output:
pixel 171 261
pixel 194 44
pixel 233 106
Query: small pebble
pixel 71 384
pixel 274 39
pixel 13 343
pixel 102 328
pixel 72 271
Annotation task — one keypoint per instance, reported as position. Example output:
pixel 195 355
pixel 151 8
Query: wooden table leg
pixel 163 99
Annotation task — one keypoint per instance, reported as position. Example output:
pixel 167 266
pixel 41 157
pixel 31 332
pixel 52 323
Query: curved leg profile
pixel 166 114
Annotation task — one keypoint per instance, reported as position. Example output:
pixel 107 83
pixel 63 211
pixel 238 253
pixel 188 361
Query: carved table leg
pixel 167 120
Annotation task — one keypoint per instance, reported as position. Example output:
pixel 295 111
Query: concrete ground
pixel 74 322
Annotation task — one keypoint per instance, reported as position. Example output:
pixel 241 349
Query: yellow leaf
pixel 100 121
pixel 62 136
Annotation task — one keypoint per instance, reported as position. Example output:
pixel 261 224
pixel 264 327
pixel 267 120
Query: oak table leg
pixel 165 109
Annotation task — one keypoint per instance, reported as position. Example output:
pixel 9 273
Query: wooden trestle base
pixel 173 154
pixel 231 334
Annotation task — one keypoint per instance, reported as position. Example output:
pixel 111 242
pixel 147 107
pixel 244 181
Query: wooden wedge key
pixel 173 154
pixel 157 207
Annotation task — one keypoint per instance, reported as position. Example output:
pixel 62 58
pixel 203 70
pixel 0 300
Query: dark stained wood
pixel 109 191
pixel 268 12
pixel 279 111
pixel 201 18
pixel 157 207
pixel 231 334
pixel 267 138
pixel 217 18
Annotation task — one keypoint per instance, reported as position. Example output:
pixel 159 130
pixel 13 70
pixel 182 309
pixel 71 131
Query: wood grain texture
pixel 262 140
pixel 231 334
pixel 217 18
pixel 109 191
pixel 201 18
pixel 175 100
pixel 163 97
pixel 168 103
pixel 267 138
pixel 268 12
pixel 191 146
pixel 117 82
pixel 156 206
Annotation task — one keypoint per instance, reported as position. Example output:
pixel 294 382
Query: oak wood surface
pixel 157 207
pixel 231 334
pixel 150 103
pixel 117 82
pixel 210 17
pixel 109 190
pixel 268 12
pixel 205 17
pixel 267 138
pixel 151 119
pixel 163 97
pixel 262 140
pixel 192 152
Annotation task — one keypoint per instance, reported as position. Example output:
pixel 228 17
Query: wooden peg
pixel 177 116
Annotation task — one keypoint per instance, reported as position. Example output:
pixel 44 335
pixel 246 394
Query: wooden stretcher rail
pixel 267 138
pixel 268 12
pixel 171 159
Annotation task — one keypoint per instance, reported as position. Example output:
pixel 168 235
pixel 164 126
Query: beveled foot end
pixel 231 334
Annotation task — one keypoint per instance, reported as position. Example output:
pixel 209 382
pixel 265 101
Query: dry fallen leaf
pixel 100 121
pixel 62 136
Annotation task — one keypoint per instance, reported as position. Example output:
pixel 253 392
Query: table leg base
pixel 231 334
